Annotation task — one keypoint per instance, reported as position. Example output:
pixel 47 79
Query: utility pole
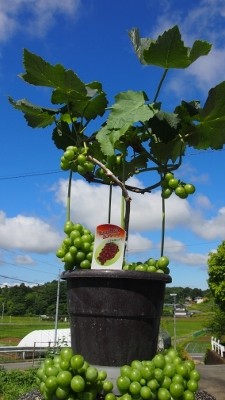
pixel 57 310
pixel 3 309
pixel 174 295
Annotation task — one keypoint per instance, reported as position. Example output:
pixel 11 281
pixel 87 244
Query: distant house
pixel 188 300
pixel 181 312
pixel 199 300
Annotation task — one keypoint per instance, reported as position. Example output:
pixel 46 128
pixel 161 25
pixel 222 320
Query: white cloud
pixel 33 16
pixel 24 259
pixel 89 205
pixel 27 233
pixel 177 252
pixel 203 202
pixel 207 73
pixel 138 243
pixel 213 228
pixel 187 171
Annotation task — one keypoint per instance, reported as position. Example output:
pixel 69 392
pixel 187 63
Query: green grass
pixel 190 331
pixel 16 328
pixel 15 383
pixel 185 326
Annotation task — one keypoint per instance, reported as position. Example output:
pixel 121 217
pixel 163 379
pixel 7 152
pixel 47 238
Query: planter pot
pixel 115 315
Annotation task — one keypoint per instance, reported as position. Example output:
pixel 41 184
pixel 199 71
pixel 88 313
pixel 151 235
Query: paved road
pixel 213 380
pixel 19 365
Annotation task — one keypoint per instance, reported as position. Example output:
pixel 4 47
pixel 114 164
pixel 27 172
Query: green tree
pixel 216 271
pixel 216 323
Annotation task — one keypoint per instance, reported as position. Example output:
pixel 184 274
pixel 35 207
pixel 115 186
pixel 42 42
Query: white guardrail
pixel 24 352
pixel 217 347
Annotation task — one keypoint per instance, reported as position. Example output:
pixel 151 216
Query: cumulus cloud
pixel 177 252
pixel 24 259
pixel 27 233
pixel 89 205
pixel 32 16
pixel 138 243
pixel 213 228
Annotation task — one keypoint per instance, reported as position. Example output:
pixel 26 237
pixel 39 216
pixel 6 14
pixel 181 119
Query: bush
pixel 15 383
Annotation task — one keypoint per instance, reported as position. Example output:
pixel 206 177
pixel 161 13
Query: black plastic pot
pixel 115 315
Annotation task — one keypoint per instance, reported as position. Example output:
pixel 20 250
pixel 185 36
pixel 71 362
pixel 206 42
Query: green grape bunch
pixel 76 249
pixel 69 376
pixel 76 159
pixel 115 164
pixel 150 265
pixel 170 184
pixel 166 377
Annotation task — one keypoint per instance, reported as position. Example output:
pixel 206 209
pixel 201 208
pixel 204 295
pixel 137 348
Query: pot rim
pixel 121 274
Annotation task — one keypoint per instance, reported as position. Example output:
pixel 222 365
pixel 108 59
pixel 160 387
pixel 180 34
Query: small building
pixel 199 300
pixel 181 312
pixel 46 338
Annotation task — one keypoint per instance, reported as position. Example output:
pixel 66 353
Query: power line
pixel 21 254
pixel 29 175
pixel 17 279
pixel 20 266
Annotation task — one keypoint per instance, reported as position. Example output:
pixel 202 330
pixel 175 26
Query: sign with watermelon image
pixel 108 247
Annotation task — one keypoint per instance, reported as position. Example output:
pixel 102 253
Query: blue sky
pixel 91 37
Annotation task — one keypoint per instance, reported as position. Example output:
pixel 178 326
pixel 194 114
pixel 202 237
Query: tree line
pixel 22 300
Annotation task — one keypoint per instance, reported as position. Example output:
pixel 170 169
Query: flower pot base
pixel 115 315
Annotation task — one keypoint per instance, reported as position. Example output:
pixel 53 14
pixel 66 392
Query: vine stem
pixel 126 196
pixel 69 196
pixel 160 84
pixel 163 225
pixel 110 203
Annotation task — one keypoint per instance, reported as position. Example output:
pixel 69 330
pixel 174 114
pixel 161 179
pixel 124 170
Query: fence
pixel 24 352
pixel 217 347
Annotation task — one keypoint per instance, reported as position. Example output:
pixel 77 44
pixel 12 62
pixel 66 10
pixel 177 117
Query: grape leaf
pixel 36 117
pixel 107 138
pixel 40 73
pixel 139 44
pixel 62 136
pixel 88 106
pixel 168 51
pixel 129 108
pixel 164 152
pixel 165 126
pixel 209 130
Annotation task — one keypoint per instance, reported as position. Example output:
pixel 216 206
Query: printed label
pixel 108 247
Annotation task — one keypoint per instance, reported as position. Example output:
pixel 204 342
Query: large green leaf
pixel 107 138
pixel 209 130
pixel 62 136
pixel 36 117
pixel 168 51
pixel 88 106
pixel 165 126
pixel 140 44
pixel 130 108
pixel 41 73
pixel 165 152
